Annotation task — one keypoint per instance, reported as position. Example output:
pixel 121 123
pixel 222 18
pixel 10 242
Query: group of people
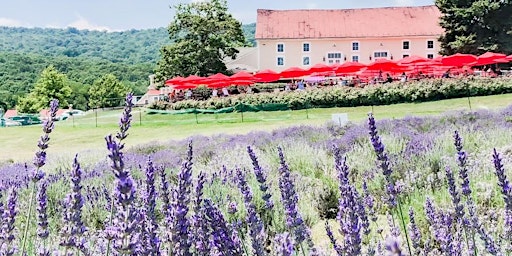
pixel 351 81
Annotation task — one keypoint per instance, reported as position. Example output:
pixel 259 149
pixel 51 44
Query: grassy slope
pixel 81 134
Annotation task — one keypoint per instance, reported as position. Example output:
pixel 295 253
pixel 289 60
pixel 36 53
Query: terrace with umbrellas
pixel 354 74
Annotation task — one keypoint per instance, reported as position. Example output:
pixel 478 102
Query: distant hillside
pixel 80 54
pixel 130 47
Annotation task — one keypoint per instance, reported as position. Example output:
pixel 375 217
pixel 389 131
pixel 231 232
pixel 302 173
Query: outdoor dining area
pixel 355 74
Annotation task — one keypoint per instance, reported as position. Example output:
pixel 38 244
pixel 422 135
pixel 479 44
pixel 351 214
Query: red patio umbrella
pixel 382 65
pixel 411 60
pixel 293 72
pixel 183 86
pixel 458 59
pixel 349 67
pixel 320 68
pixel 219 84
pixel 509 57
pixel 242 75
pixel 174 80
pixel 266 76
pixel 242 82
pixel 219 77
pixel 192 79
pixel 490 58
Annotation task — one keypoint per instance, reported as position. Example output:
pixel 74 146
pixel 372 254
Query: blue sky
pixel 115 15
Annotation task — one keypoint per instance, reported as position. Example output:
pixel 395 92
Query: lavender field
pixel 413 186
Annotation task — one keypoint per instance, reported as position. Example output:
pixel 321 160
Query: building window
pixel 305 47
pixel 355 46
pixel 405 56
pixel 334 57
pixel 280 61
pixel 280 47
pixel 430 44
pixel 405 45
pixel 380 54
pixel 430 56
pixel 355 58
pixel 305 61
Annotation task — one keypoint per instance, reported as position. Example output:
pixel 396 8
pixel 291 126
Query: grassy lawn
pixel 87 133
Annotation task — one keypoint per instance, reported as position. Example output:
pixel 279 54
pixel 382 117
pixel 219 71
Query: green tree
pixel 475 26
pixel 50 85
pixel 204 34
pixel 107 91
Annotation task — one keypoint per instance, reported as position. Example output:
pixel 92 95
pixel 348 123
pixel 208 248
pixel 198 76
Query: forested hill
pixel 82 55
pixel 129 47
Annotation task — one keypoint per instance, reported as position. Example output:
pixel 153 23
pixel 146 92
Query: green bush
pixel 425 90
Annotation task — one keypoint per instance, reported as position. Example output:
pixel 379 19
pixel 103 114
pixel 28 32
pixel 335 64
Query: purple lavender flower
pixel 179 230
pixel 337 248
pixel 415 233
pixel 284 244
pixel 125 122
pixel 232 207
pixel 220 238
pixel 39 161
pixel 200 232
pixel 151 241
pixel 393 246
pixel 506 191
pixel 461 161
pixel 384 163
pixel 72 231
pixel 125 221
pixel 351 209
pixel 42 219
pixel 256 229
pixel 7 231
pixel 261 176
pixel 452 188
pixel 294 222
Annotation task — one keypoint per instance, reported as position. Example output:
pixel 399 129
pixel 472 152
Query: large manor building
pixel 302 38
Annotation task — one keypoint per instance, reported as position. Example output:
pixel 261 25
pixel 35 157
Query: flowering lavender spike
pixel 126 118
pixel 256 229
pixel 42 218
pixel 7 230
pixel 461 161
pixel 337 248
pixel 284 244
pixel 179 230
pixel 125 220
pixel 221 238
pixel 294 222
pixel 415 233
pixel 73 229
pixel 384 164
pixel 152 242
pixel 39 161
pixel 506 191
pixel 200 230
pixel 261 176
pixel 452 188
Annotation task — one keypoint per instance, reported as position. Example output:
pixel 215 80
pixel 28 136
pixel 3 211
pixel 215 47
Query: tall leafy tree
pixel 107 91
pixel 203 34
pixel 51 85
pixel 475 26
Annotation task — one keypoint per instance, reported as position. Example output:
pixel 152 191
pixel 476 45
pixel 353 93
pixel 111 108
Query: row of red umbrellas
pixel 406 64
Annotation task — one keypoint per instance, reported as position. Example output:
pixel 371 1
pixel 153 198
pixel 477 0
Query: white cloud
pixel 404 2
pixel 6 22
pixel 82 23
pixel 312 5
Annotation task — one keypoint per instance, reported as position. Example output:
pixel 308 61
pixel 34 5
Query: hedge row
pixel 425 90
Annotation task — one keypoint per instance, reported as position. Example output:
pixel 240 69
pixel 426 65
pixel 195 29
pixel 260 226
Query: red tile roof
pixel 153 92
pixel 10 113
pixel 46 112
pixel 349 23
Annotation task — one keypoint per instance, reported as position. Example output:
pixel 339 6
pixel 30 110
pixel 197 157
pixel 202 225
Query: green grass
pixel 87 133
